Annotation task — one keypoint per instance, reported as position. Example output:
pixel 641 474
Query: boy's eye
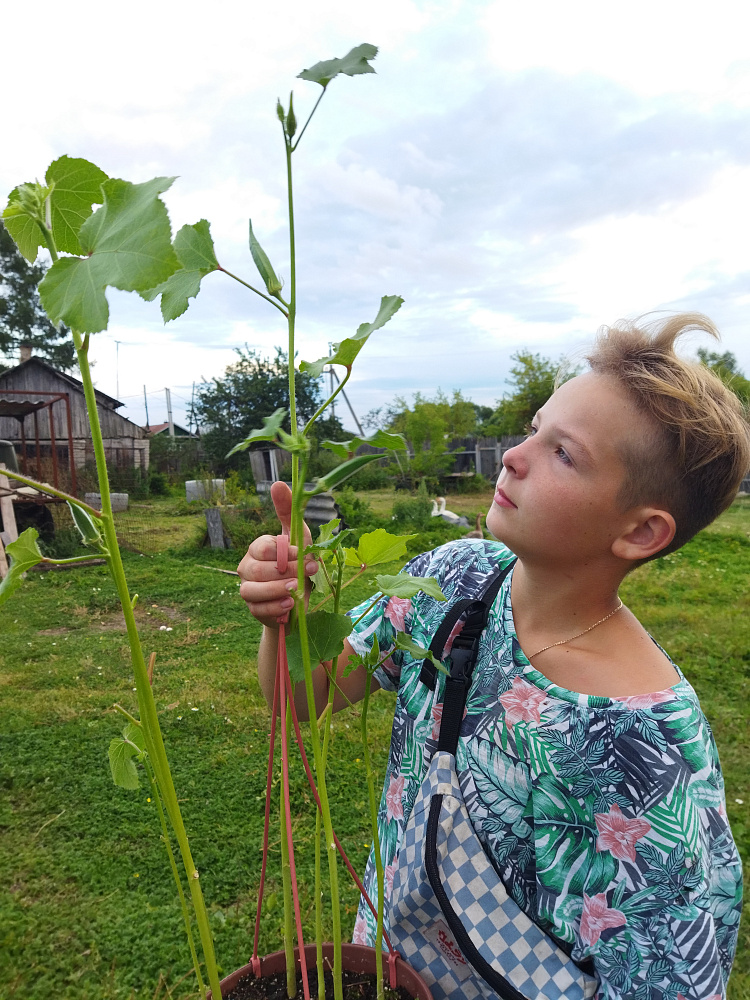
pixel 563 456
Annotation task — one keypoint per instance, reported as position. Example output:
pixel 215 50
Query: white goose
pixel 448 515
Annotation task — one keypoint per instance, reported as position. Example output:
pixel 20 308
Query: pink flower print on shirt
pixel 522 702
pixel 597 917
pixel 618 834
pixel 437 718
pixel 394 807
pixel 360 931
pixel 396 611
pixel 390 871
pixel 636 701
pixel 455 631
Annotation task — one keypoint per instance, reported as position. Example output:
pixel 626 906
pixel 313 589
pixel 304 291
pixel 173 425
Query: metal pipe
pixel 53 445
pixel 36 437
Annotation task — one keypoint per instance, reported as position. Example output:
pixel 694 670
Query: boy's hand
pixel 267 592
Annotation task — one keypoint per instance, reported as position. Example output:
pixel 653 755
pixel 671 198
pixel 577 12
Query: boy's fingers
pixel 282 501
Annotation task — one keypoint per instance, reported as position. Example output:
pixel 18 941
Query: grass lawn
pixel 87 905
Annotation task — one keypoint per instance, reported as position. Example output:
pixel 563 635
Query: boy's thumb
pixel 282 501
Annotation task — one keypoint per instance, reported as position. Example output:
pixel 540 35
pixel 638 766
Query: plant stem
pixel 309 119
pixel 131 718
pixel 369 607
pixel 176 875
pixel 46 488
pixel 146 704
pixel 256 290
pixel 330 399
pixel 73 559
pixel 375 840
pixel 356 576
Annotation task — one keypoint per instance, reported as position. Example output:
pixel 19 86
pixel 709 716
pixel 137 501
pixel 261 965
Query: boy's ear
pixel 652 532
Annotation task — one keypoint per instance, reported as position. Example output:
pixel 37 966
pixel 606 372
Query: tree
pixel 726 367
pixel 22 319
pixel 252 388
pixel 428 425
pixel 533 379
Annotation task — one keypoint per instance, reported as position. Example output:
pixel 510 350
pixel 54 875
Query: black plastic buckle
pixel 463 656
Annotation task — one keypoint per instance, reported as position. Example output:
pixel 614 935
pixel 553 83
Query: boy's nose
pixel 514 460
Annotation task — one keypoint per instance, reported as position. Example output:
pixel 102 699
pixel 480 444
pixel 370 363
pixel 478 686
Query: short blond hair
pixel 698 452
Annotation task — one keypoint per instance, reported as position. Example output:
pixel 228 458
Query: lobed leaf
pixel 345 352
pixel 268 432
pixel 195 252
pixel 340 473
pixel 326 632
pixel 24 553
pixel 405 585
pixel 266 271
pixel 380 439
pixel 86 524
pixel 353 63
pixel 75 185
pixel 376 547
pixel 129 246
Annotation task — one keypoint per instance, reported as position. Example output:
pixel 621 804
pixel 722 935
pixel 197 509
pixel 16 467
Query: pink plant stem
pixel 392 951
pixel 269 779
pixel 283 669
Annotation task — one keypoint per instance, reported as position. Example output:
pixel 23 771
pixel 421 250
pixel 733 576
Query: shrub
pixel 158 484
pixel 412 513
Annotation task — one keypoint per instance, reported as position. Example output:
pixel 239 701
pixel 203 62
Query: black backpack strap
pixel 483 604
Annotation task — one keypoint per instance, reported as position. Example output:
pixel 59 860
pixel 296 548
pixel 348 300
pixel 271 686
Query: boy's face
pixel 556 498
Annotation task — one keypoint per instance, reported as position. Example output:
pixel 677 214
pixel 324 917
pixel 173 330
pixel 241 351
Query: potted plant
pixel 127 243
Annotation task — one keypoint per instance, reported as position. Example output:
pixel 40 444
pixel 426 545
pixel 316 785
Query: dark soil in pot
pixel 359 980
pixel 357 986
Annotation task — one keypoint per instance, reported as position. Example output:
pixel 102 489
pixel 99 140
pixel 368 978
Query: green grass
pixel 87 905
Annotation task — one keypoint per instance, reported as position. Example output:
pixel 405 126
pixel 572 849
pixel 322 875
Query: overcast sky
pixel 519 173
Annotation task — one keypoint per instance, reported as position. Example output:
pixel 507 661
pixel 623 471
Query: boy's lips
pixel 503 500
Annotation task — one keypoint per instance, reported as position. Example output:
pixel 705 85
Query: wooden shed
pixel 43 412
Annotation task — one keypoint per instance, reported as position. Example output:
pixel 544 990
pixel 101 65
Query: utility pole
pixel 145 400
pixel 192 413
pixel 169 412
pixel 330 377
pixel 117 366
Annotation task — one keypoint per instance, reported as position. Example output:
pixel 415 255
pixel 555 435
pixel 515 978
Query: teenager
pixel 587 767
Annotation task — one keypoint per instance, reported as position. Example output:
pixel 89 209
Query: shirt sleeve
pixel 383 619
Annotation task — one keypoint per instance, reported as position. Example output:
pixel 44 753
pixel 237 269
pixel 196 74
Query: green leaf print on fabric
pixel 676 820
pixel 503 786
pixel 565 840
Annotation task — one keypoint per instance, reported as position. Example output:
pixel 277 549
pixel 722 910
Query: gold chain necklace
pixel 578 635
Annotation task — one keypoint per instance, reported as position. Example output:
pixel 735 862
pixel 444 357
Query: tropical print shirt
pixel 604 817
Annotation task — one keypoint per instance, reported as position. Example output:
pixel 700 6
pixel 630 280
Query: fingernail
pixel 291 585
pixel 287 603
pixel 311 568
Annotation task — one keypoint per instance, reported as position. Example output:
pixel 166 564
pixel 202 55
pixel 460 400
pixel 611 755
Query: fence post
pixel 215 527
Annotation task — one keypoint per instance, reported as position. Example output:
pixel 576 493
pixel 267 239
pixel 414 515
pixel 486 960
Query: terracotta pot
pixel 355 958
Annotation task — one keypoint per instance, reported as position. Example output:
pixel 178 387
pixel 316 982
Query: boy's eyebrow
pixel 567 436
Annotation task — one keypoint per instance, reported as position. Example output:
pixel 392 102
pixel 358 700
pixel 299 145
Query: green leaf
pixel 345 352
pixel 24 553
pixel 86 524
pixel 121 763
pixel 703 793
pixel 195 251
pixel 263 264
pixel 377 546
pixel 135 735
pixel 22 227
pixel 75 185
pixel 417 652
pixel 326 633
pixel 268 432
pixel 405 585
pixel 380 439
pixel 340 473
pixel 128 242
pixel 353 63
